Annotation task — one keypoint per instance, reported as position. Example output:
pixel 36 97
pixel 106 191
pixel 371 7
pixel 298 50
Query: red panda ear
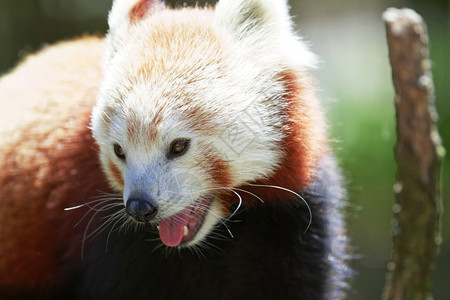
pixel 144 8
pixel 126 12
pixel 265 25
pixel 250 16
pixel 123 15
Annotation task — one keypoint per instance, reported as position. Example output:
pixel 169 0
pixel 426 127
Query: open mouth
pixel 184 226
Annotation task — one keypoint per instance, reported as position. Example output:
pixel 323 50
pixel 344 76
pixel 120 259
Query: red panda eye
pixel 178 147
pixel 119 151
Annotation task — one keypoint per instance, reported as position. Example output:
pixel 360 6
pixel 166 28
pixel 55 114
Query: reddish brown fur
pixel 144 8
pixel 154 125
pixel 135 127
pixel 199 118
pixel 219 171
pixel 48 164
pixel 117 174
pixel 304 142
pixel 217 168
pixel 67 177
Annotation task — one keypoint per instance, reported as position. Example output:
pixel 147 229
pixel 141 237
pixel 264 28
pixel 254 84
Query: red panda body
pixel 49 163
pixel 194 183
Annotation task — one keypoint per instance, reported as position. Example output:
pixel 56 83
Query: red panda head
pixel 198 102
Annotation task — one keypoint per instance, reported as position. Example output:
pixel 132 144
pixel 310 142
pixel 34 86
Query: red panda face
pixel 191 106
pixel 169 146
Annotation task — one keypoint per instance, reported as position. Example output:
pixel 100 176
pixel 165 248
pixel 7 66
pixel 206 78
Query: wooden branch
pixel 418 153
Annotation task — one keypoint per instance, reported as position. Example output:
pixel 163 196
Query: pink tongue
pixel 171 230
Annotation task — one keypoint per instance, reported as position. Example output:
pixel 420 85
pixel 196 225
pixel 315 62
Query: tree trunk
pixel 418 154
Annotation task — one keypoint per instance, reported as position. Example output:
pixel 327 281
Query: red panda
pixel 184 156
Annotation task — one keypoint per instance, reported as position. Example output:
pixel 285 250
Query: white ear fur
pixel 123 15
pixel 246 16
pixel 120 13
pixel 119 18
pixel 266 24
pixel 119 24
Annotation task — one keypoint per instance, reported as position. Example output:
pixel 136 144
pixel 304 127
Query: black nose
pixel 141 209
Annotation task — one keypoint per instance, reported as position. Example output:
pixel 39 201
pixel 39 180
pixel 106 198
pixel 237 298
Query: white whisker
pixel 254 195
pixel 292 192
pixel 91 208
pixel 74 207
pixel 112 228
pixel 219 218
pixel 100 205
pixel 109 219
pixel 239 205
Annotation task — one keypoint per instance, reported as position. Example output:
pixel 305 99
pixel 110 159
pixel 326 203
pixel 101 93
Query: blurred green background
pixel 356 89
